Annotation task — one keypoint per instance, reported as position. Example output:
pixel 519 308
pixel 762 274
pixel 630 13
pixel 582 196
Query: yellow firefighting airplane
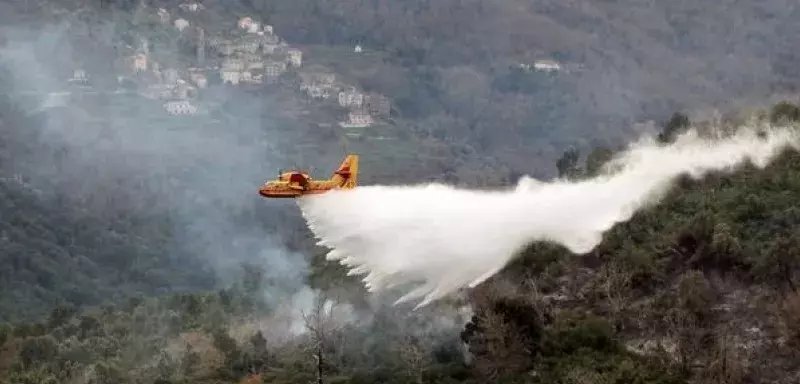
pixel 296 183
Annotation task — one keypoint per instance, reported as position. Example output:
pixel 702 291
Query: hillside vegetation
pixel 701 288
pixel 135 265
pixel 452 69
pixel 452 65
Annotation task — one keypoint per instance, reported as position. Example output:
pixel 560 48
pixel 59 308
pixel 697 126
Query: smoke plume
pixel 116 155
pixel 443 239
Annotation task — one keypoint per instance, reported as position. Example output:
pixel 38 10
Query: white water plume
pixel 445 238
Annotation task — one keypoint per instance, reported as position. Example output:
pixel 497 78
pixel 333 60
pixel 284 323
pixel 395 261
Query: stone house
pixel 274 68
pixel 351 98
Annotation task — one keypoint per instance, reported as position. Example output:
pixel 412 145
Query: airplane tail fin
pixel 347 174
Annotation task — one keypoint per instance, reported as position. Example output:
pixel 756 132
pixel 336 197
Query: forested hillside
pixel 56 251
pixel 701 288
pixel 454 63
pixel 453 68
pixel 134 248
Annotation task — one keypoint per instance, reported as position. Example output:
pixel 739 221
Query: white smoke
pixel 445 238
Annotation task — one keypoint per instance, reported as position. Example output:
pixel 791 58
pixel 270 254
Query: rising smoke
pixel 117 154
pixel 443 239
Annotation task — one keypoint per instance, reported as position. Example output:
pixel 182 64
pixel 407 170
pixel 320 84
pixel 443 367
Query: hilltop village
pixel 178 53
pixel 247 54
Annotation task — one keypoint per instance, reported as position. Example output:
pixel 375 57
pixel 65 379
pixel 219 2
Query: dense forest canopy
pixel 628 61
pixel 134 249
pixel 455 64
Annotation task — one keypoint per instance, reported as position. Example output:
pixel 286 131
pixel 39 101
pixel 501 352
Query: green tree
pixel 89 325
pixel 60 315
pixel 260 354
pixel 780 260
pixel 190 362
pixel 784 112
pixel 677 124
pixel 6 332
pixel 32 376
pixel 253 278
pixel 596 159
pixel 692 318
pixel 37 350
pixel 567 164
pixel 109 372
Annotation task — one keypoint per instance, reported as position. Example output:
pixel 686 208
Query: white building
pixel 254 63
pixel 180 107
pixel 180 24
pixel 274 68
pixel 139 62
pixel 184 90
pixel 199 79
pixel 163 15
pixel 315 91
pixel 546 65
pixel 230 76
pixel 245 76
pixel 79 76
pixel 193 7
pixel 249 44
pixel 253 78
pixel 245 22
pixel 357 119
pixel 351 98
pixel 295 57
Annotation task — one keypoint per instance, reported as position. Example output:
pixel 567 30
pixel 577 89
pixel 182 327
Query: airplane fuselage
pixel 282 189
pixel 297 183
